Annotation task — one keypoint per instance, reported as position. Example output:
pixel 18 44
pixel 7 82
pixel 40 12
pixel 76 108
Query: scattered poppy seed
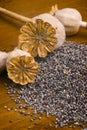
pixel 84 129
pixel 29 127
pixel 5 106
pixel 15 110
pixel 39 118
pixel 50 125
pixel 9 109
pixel 60 89
pixel 11 121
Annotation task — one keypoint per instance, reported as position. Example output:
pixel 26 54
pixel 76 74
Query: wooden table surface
pixel 9 31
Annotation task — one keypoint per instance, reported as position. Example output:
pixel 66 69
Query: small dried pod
pixel 70 18
pixel 3 58
pixel 43 34
pixel 21 67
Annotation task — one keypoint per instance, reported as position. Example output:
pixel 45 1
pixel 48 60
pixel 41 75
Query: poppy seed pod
pixel 43 34
pixel 40 35
pixel 70 18
pixel 21 67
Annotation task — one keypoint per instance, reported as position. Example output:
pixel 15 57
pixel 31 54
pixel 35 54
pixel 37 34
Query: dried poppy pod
pixel 43 34
pixel 40 35
pixel 21 67
pixel 70 18
pixel 3 58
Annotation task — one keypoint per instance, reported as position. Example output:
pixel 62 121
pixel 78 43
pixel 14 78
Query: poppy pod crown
pixel 41 35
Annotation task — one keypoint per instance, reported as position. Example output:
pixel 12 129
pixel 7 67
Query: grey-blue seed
pixel 61 87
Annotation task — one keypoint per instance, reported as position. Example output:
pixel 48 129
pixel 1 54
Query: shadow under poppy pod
pixel 21 67
pixel 3 58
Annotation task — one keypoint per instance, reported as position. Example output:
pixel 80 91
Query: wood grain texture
pixel 9 31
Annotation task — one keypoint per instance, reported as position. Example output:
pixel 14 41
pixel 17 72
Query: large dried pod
pixel 40 35
pixel 43 34
pixel 21 67
pixel 70 18
pixel 3 58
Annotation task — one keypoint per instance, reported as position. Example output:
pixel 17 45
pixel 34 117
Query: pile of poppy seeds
pixel 60 89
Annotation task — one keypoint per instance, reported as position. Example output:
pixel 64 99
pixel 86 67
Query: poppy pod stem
pixel 14 15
